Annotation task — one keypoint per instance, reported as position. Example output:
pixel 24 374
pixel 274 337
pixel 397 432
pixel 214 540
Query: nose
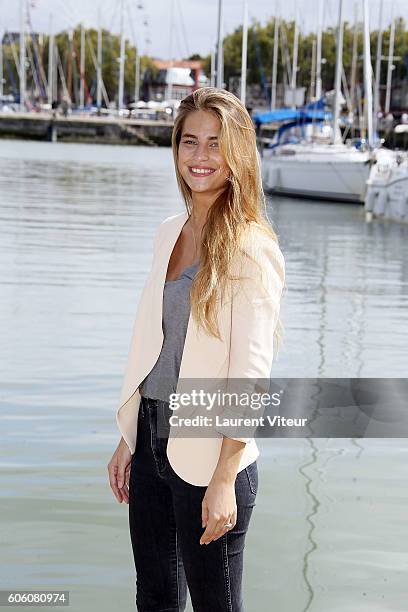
pixel 202 151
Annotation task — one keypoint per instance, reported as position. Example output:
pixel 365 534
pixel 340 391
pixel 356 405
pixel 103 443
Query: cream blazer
pixel 246 321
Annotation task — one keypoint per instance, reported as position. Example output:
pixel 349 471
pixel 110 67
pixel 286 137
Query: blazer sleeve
pixel 255 307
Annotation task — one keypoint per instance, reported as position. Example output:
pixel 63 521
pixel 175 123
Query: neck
pixel 201 204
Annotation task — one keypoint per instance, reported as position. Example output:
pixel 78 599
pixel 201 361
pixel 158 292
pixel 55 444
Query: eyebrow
pixel 193 136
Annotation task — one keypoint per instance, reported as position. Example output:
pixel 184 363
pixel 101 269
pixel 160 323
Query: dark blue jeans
pixel 165 528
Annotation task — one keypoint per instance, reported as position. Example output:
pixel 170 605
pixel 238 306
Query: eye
pixel 214 145
pixel 188 141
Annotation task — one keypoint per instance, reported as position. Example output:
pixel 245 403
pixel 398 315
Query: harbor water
pixel 329 529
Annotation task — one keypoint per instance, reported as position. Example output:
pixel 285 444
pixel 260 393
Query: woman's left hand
pixel 219 506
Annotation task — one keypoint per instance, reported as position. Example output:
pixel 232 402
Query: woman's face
pixel 199 159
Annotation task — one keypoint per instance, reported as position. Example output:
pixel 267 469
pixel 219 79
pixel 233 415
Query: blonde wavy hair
pixel 242 202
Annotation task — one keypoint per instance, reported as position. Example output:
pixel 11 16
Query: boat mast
pixel 170 76
pixel 99 65
pixel 1 68
pixel 390 66
pixel 337 80
pixel 354 63
pixel 220 76
pixel 69 64
pixel 368 95
pixel 212 69
pixel 378 71
pixel 82 68
pixel 275 62
pixel 22 56
pixel 244 53
pixel 65 90
pixel 295 56
pixel 313 71
pixel 137 74
pixel 319 51
pixel 50 63
pixel 122 56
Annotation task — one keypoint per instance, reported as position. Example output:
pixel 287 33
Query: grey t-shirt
pixel 162 379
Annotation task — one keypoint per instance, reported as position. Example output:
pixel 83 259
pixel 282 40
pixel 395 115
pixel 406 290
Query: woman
pixel 209 310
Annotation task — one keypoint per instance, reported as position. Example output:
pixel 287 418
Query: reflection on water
pixel 77 226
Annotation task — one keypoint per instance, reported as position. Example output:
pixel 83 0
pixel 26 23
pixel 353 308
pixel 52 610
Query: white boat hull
pixel 331 172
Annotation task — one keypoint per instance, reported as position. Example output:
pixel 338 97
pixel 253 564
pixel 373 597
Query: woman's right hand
pixel 119 471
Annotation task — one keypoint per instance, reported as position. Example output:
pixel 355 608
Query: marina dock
pixel 93 129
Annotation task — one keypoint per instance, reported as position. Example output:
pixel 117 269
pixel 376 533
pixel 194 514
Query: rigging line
pixel 77 57
pixel 183 27
pixel 37 57
pixel 72 12
pixel 12 80
pixel 109 43
pixel 285 53
pixel 177 37
pixel 131 23
pixel 171 30
pixel 95 63
pixel 147 39
pixel 69 17
pixel 100 10
pixel 115 12
pixel 137 47
pixel 34 73
pixel 331 16
pixel 13 51
pixel 37 85
pixel 345 87
pixel 62 75
pixel 259 61
pixel 346 131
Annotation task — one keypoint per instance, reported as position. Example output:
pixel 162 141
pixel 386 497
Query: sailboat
pixel 387 186
pixel 320 167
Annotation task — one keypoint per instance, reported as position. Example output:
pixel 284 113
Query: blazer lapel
pixel 147 338
pixel 161 272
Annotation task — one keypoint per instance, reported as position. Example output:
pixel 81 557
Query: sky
pixel 173 29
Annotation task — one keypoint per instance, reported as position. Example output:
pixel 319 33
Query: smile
pixel 201 171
